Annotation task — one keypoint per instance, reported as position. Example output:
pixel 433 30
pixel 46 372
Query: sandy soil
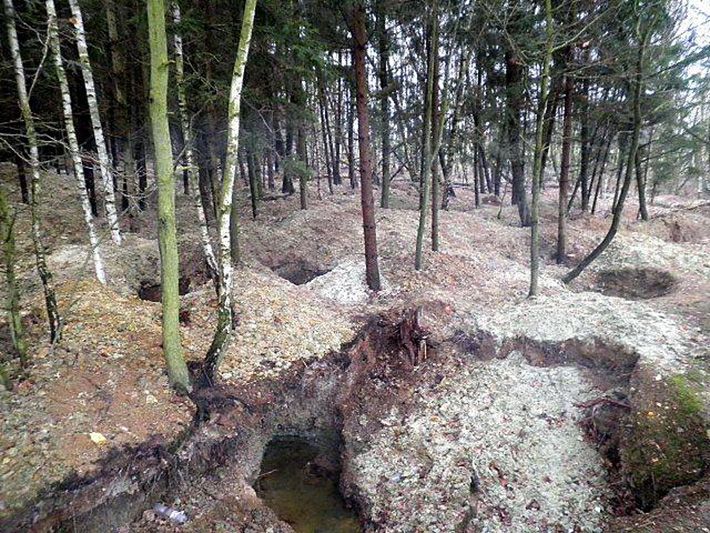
pixel 470 444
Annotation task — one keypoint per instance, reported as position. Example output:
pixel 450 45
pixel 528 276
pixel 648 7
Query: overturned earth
pixel 448 402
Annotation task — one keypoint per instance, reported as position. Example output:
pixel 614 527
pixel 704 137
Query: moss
pixel 665 443
pixel 686 394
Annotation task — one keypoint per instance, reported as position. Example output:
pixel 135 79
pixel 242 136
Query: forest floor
pixel 566 412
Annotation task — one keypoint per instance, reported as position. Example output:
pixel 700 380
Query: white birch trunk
pixel 106 177
pixel 53 36
pixel 225 323
pixel 24 101
pixel 187 138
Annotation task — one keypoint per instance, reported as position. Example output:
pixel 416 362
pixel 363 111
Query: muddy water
pixel 301 491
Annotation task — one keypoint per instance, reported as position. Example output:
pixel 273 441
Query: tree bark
pixel 619 208
pixel 561 253
pixel 7 240
pixel 191 166
pixel 363 116
pixel 75 153
pixel 45 275
pixel 91 96
pixel 167 234
pixel 641 183
pixel 427 152
pixel 514 90
pixel 225 315
pixel 384 100
pixel 540 149
pixel 22 176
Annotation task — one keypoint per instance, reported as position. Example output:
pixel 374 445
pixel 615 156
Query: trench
pixel 300 451
pixel 299 480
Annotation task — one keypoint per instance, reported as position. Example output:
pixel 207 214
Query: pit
pixel 298 272
pixel 299 481
pixel 151 291
pixel 508 436
pixel 635 283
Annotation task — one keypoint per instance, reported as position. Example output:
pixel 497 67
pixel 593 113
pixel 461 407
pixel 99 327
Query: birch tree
pixel 35 188
pixel 92 98
pixel 53 36
pixel 225 317
pixel 187 139
pixel 167 233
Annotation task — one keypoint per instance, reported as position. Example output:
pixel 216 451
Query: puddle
pixel 298 485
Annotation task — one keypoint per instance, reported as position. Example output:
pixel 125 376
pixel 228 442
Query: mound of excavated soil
pixel 484 434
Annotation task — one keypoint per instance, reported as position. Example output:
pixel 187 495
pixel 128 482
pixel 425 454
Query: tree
pixel 7 240
pixel 359 31
pixel 74 150
pixel 91 96
pixel 428 152
pixel 540 149
pixel 45 274
pixel 642 35
pixel 167 234
pixel 225 316
pixel 515 100
pixel 383 74
pixel 187 141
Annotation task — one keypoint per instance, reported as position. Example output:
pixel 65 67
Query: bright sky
pixel 699 19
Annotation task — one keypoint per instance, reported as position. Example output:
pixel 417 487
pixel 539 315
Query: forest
pixel 402 266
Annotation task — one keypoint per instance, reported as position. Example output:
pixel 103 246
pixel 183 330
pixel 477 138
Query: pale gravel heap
pixel 280 325
pixel 506 429
pixel 633 249
pixel 346 284
pixel 659 340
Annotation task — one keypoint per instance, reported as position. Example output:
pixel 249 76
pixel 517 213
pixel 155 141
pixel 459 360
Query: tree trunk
pixel 253 185
pixel 427 152
pixel 167 234
pixel 600 181
pixel 53 37
pixel 225 315
pixel 191 166
pixel 22 176
pixel 45 275
pixel 7 241
pixel 637 120
pixel 363 116
pixel 641 183
pixel 540 149
pixel 91 96
pixel 351 138
pixel 120 107
pixel 561 253
pixel 514 90
pixel 302 176
pixel 435 116
pixel 585 142
pixel 384 101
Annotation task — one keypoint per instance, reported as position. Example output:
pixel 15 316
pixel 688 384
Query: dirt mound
pixel 635 283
